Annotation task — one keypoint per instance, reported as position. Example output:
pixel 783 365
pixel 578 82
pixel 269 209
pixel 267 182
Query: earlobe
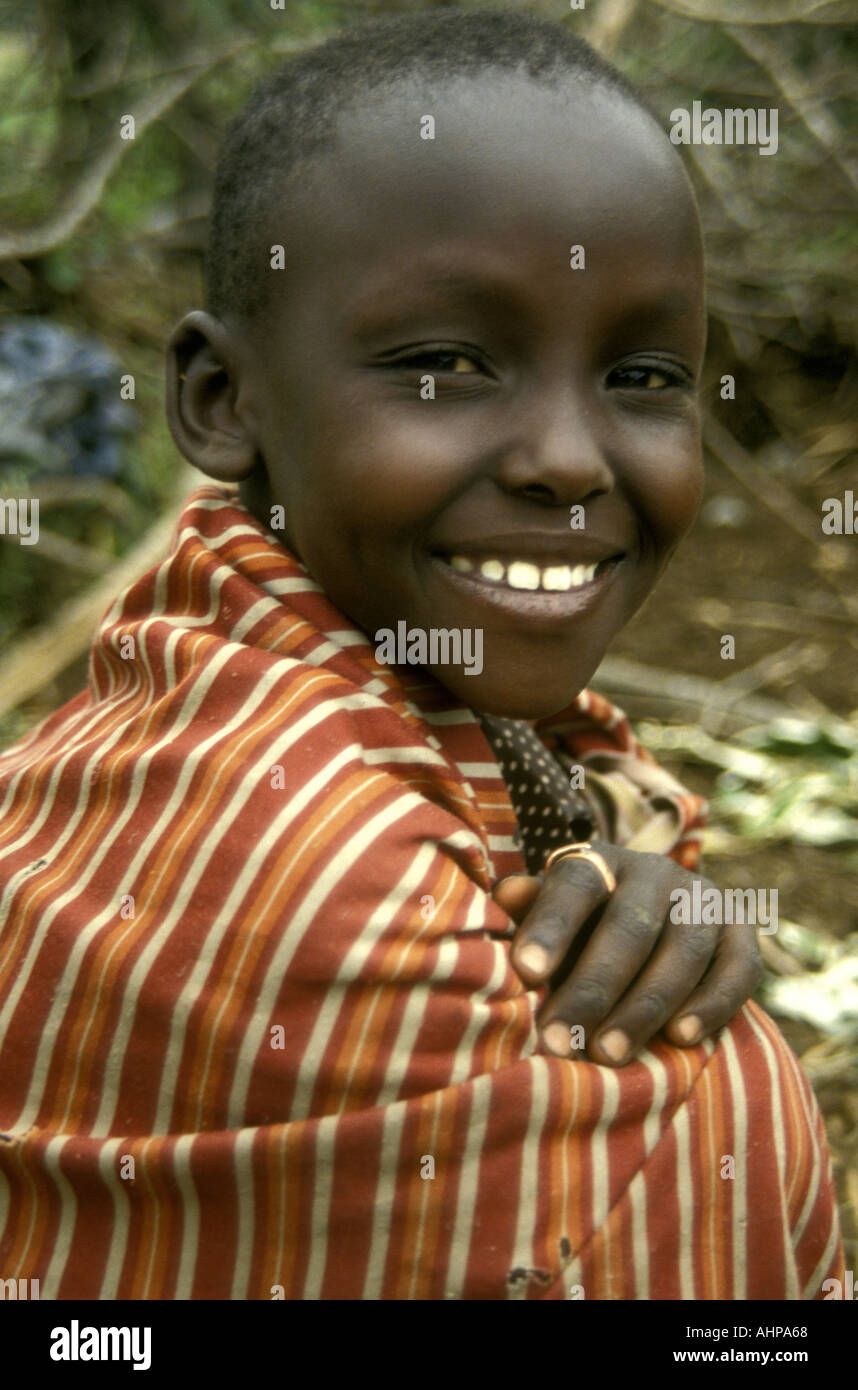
pixel 204 378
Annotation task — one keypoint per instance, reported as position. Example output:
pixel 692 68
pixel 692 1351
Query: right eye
pixel 458 363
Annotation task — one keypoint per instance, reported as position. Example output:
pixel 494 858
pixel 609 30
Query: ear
pixel 207 412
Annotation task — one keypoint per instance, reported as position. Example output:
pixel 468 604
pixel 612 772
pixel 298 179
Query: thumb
pixel 516 894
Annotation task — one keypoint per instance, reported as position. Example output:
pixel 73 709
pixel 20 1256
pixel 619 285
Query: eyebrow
pixel 673 303
pixel 390 301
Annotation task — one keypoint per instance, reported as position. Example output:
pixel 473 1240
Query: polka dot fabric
pixel 548 812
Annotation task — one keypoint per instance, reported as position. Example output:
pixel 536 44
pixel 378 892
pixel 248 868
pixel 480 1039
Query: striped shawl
pixel 259 1032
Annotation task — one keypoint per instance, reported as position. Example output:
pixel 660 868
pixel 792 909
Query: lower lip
pixel 532 605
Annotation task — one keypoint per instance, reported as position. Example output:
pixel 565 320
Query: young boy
pixel 268 1027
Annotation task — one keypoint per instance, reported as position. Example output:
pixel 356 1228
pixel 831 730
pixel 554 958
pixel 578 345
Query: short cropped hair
pixel 291 117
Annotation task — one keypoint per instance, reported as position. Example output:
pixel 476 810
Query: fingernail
pixel 690 1028
pixel 615 1044
pixel 534 959
pixel 556 1037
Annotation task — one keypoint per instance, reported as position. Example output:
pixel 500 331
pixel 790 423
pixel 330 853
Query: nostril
pixel 538 491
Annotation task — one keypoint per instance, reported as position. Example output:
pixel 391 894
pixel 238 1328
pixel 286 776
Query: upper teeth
pixel 522 574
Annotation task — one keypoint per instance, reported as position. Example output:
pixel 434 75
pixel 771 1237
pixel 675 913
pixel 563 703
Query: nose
pixel 558 452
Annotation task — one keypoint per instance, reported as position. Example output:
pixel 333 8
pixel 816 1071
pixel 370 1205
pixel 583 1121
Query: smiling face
pixel 554 387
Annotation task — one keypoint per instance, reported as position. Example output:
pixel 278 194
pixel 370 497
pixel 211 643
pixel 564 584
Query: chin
pixel 524 700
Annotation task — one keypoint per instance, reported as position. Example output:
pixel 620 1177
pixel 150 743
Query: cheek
pixel 669 487
pixel 679 499
pixel 394 468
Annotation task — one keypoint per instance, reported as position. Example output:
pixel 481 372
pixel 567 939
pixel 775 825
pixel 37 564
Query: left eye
pixel 648 378
pixel 441 361
pixel 455 362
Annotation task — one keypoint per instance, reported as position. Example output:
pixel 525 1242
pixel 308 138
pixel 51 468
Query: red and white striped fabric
pixel 247 941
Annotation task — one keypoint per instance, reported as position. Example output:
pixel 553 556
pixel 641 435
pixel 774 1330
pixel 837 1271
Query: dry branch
pixel 677 692
pixel 794 88
pixel 784 12
pixel 84 197
pixel 39 658
pixel 774 495
pixel 81 200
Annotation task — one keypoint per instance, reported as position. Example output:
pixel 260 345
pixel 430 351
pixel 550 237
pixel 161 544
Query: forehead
pixel 516 173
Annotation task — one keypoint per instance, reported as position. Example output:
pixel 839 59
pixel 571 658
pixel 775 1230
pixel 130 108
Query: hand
pixel 631 971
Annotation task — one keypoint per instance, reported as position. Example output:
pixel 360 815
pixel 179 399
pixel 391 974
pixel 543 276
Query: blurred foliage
pixel 790 780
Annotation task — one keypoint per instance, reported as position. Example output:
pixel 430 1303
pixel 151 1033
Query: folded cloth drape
pixel 259 1032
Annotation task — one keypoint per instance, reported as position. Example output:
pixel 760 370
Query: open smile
pixel 523 588
pixel 527 575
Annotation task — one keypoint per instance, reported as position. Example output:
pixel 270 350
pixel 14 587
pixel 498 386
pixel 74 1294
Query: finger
pixel 731 979
pixel 679 963
pixel 571 892
pixel 516 894
pixel 618 949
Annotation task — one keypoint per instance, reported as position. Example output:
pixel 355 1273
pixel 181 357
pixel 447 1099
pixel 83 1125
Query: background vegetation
pixel 105 236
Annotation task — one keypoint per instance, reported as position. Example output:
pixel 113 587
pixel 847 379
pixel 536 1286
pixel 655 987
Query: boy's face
pixel 554 387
